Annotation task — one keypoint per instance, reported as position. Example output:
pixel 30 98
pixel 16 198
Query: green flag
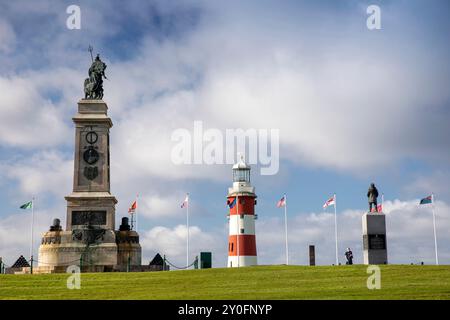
pixel 27 205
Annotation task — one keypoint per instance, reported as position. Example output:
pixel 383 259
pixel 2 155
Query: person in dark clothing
pixel 349 256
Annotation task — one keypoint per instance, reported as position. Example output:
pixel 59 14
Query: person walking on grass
pixel 349 256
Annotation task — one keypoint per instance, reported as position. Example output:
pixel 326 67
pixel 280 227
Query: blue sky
pixel 352 105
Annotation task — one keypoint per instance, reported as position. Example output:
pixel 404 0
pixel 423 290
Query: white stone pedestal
pixel 90 239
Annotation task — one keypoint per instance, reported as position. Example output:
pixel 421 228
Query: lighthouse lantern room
pixel 241 201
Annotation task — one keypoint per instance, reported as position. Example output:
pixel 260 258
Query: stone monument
pixel 312 255
pixel 90 238
pixel 374 232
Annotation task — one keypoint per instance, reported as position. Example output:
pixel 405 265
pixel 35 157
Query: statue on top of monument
pixel 93 86
pixel 372 194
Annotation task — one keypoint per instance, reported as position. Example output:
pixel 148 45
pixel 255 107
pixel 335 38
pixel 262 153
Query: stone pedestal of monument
pixel 90 239
pixel 374 238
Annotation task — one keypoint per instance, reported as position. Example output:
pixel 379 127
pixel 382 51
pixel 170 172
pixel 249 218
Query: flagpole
pixel 132 218
pixel 238 220
pixel 285 229
pixel 434 229
pixel 135 213
pixel 335 230
pixel 187 226
pixel 32 232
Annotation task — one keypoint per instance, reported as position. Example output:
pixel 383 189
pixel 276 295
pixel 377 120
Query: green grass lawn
pixel 262 282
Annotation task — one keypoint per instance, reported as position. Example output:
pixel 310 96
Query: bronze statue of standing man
pixel 372 194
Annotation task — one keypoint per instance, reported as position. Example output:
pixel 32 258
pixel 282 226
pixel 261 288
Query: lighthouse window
pixel 241 175
pixel 242 216
pixel 232 247
pixel 242 230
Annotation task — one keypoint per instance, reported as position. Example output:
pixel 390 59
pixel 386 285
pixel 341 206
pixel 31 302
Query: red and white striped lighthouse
pixel 241 201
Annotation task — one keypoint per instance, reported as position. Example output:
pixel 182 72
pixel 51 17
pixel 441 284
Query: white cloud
pixel 333 111
pixel 266 77
pixel 42 173
pixel 146 136
pixel 155 206
pixel 7 37
pixel 435 182
pixel 326 119
pixel 172 243
pixel 27 118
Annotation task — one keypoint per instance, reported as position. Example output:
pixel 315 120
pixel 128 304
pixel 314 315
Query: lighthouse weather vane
pixel 93 86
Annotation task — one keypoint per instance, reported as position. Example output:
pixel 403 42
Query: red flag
pixel 185 203
pixel 329 202
pixel 379 208
pixel 133 207
pixel 282 202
